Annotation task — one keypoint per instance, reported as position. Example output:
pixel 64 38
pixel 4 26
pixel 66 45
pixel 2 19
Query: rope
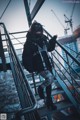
pixel 5 9
pixel 58 19
pixel 73 9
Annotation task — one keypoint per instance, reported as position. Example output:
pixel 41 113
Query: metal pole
pixel 34 83
pixel 2 54
pixel 27 12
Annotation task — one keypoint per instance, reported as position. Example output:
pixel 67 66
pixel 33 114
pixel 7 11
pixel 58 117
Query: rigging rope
pixel 58 19
pixel 5 9
pixel 73 9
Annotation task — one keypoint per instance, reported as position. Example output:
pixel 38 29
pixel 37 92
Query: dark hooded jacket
pixel 31 58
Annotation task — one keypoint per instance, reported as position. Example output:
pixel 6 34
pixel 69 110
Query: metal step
pixel 54 92
pixel 74 116
pixel 43 111
pixel 60 116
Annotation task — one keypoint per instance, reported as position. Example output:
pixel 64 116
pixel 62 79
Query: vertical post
pixel 36 8
pixel 68 63
pixel 71 78
pixel 2 54
pixel 34 83
pixel 27 12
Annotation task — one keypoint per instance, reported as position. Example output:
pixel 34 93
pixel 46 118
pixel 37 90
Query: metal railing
pixel 76 54
pixel 70 81
pixel 26 96
pixel 65 73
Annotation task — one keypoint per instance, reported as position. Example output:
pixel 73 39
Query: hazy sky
pixel 15 17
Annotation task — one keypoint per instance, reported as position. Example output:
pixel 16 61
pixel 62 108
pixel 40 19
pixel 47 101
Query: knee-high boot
pixel 48 91
pixel 41 92
pixel 49 102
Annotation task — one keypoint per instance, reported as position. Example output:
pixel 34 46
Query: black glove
pixel 52 42
pixel 54 37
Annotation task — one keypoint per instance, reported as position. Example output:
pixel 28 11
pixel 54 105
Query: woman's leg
pixel 49 78
pixel 48 91
pixel 47 82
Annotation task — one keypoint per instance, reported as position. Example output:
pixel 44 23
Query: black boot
pixel 41 92
pixel 50 105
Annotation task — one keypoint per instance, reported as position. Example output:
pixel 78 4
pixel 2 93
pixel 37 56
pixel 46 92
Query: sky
pixel 15 17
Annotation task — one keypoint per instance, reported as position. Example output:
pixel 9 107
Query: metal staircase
pixel 67 90
pixel 27 100
pixel 66 75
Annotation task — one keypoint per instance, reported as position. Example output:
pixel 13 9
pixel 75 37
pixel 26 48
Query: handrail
pixel 71 49
pixel 63 48
pixel 75 60
pixel 76 56
pixel 64 67
pixel 76 100
pixel 25 82
pixel 26 110
pixel 15 32
pixel 66 77
pixel 68 53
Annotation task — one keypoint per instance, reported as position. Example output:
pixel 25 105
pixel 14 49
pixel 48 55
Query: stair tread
pixel 59 116
pixel 43 111
pixel 74 117
pixel 54 92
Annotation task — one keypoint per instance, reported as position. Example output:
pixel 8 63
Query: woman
pixel 35 58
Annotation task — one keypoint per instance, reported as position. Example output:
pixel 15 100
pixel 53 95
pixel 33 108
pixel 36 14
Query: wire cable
pixel 5 9
pixel 57 18
pixel 73 9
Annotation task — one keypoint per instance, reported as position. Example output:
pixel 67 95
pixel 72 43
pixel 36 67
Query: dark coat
pixel 31 58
